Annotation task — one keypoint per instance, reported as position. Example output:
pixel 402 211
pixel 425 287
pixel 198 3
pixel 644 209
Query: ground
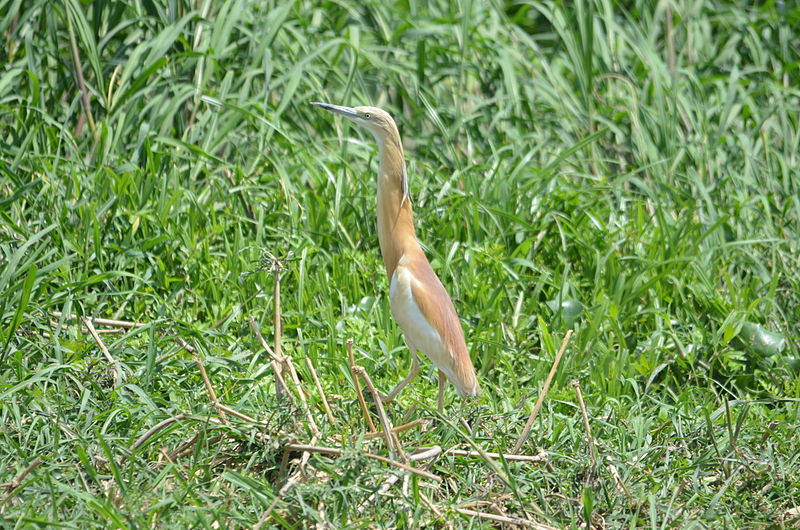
pixel 624 170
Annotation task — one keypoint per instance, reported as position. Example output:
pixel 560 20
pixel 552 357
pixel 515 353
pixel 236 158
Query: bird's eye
pixel 367 115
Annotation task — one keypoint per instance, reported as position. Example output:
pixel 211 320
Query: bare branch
pixel 387 425
pixel 337 452
pixel 397 430
pixel 504 519
pixel 356 383
pixel 577 386
pixel 104 321
pixel 12 486
pixel 541 457
pixel 321 392
pixel 527 430
pixel 149 434
pixel 106 353
pixel 286 487
pixel 199 362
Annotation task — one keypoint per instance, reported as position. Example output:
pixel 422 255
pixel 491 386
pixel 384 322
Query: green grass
pixel 558 153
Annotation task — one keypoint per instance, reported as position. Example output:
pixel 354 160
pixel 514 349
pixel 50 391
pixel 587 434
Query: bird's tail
pixel 466 382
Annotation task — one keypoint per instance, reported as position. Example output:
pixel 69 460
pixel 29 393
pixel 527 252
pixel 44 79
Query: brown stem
pixel 527 430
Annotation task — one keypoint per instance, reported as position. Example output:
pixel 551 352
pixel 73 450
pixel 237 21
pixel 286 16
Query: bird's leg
pixel 411 375
pixel 442 383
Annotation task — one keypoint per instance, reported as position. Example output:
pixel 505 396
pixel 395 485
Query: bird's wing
pixel 430 323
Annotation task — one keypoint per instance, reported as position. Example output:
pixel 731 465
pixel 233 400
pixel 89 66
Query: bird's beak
pixel 347 112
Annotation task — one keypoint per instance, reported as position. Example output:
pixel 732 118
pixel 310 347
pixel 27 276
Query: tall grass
pixel 625 169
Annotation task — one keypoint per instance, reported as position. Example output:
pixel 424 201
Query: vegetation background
pixel 628 170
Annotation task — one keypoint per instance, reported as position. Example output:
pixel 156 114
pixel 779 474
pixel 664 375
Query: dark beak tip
pixel 347 112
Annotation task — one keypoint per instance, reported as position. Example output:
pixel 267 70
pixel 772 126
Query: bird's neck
pixel 395 216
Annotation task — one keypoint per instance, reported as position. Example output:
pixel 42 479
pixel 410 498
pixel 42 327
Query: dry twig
pixel 104 321
pixel 397 430
pixel 278 349
pixel 254 327
pixel 286 487
pixel 577 386
pixel 387 425
pixel 338 452
pixel 199 362
pixel 149 434
pixel 504 519
pixel 527 430
pixel 12 486
pixel 300 392
pixel 184 448
pixel 321 392
pixel 434 509
pixel 87 109
pixel 618 479
pixel 541 457
pixel 357 384
pixel 223 408
pixel 280 384
pixel 114 364
pixel 101 331
pixel 423 455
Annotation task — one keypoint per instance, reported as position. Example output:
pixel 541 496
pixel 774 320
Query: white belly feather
pixel 418 333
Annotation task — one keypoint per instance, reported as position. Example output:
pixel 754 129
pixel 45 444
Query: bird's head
pixel 377 121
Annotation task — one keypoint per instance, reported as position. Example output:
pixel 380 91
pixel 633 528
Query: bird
pixel 419 302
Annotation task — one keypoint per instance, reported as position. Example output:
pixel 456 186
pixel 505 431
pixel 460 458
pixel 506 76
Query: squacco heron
pixel 419 302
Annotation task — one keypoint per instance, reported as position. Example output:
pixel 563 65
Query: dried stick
pixel 286 487
pixel 387 425
pixel 357 384
pixel 488 459
pixel 282 469
pixel 424 455
pixel 222 408
pixel 101 331
pixel 183 447
pixel 254 327
pixel 338 452
pixel 104 321
pixel 306 455
pixel 397 430
pixel 199 362
pixel 577 387
pixel 504 519
pixel 466 426
pixel 527 430
pixel 430 452
pixel 299 388
pixel 386 486
pixel 276 271
pixel 321 392
pixel 278 350
pixel 149 434
pixel 12 486
pixel 109 358
pixel 280 383
pixel 409 412
pixel 618 480
pixel 432 507
pixel 541 457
